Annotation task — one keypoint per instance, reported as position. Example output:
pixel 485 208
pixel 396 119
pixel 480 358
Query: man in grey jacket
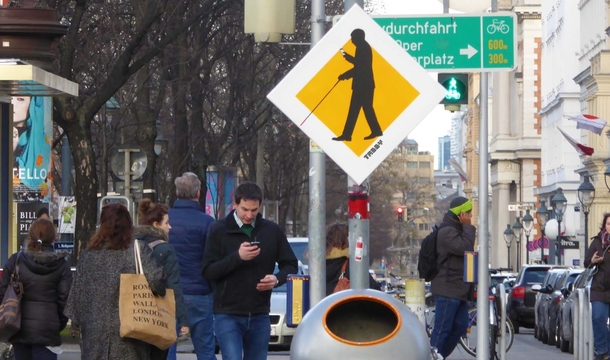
pixel 450 292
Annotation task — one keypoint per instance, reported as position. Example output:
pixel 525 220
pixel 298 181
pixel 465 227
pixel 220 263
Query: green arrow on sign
pixel 456 42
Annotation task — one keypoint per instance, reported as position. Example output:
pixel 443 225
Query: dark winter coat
pixel 46 278
pixel 94 302
pixel 190 226
pixel 600 285
pixel 334 262
pixel 233 279
pixel 165 255
pixel 452 241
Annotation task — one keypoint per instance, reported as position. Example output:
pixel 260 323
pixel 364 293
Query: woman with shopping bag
pixel 45 277
pixel 112 264
pixel 153 231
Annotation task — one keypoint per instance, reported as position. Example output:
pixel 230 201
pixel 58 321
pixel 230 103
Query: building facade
pixel 444 152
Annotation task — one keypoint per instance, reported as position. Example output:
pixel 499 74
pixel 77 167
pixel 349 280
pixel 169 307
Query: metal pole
pixel 518 255
pixel 527 251
pixel 508 256
pixel 358 214
pixel 558 259
pixel 317 187
pixel 586 228
pixel 542 245
pixel 445 6
pixel 483 285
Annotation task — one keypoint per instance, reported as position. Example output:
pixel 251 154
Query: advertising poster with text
pixel 32 138
pixel 26 215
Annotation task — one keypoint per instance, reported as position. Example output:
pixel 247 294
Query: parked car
pixel 549 309
pixel 566 333
pixel 521 298
pixel 543 296
pixel 281 334
pixel 555 310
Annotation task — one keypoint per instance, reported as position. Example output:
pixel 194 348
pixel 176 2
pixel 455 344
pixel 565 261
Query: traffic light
pixel 399 212
pixel 457 90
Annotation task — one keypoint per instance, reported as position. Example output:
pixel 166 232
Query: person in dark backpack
pixel 451 294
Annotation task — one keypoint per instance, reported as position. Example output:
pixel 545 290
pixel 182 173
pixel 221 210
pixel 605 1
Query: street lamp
pixel 586 196
pixel 517 228
pixel 528 225
pixel 508 238
pixel 559 203
pixel 543 215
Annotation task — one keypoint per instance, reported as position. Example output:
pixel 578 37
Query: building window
pixel 424 165
pixel 413 164
pixel 423 227
pixel 423 180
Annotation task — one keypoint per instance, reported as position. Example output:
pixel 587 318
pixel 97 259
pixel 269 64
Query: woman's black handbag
pixel 10 309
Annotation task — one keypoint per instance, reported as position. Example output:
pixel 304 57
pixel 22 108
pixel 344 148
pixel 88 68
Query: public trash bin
pixel 358 325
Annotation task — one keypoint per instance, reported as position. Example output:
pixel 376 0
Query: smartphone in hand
pixel 255 243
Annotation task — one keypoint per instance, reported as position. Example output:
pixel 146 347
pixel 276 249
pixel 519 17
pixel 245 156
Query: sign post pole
pixel 483 235
pixel 317 187
pixel 358 217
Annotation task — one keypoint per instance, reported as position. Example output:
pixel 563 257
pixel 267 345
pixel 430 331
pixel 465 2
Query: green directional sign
pixel 456 42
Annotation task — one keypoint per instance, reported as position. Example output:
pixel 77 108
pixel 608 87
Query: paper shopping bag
pixel 145 316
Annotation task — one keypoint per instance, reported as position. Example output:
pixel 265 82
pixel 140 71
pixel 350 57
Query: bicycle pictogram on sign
pixel 498 25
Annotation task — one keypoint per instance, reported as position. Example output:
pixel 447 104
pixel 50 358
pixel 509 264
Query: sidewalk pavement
pixel 184 347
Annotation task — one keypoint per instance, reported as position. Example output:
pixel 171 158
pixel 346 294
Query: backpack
pixel 426 264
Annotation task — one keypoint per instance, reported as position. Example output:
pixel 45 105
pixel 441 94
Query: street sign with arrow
pixel 456 42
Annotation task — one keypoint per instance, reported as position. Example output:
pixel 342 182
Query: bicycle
pixel 469 344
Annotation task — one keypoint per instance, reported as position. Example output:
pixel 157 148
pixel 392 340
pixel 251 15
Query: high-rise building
pixel 444 152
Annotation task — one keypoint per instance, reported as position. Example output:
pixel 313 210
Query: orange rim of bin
pixel 369 298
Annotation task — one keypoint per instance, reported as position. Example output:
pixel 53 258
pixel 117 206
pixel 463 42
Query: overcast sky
pixel 438 122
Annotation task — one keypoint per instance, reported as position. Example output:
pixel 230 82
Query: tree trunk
pixel 85 188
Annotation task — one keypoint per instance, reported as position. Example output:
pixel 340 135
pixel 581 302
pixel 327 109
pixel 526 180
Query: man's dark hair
pixel 248 191
pixel 42 211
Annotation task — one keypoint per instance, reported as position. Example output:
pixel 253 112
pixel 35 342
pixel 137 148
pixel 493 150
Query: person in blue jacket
pixel 188 237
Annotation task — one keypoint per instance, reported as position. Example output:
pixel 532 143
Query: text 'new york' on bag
pixel 10 309
pixel 145 316
pixel 343 283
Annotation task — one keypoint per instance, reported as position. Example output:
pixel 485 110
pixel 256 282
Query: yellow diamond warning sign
pixel 357 94
pixel 386 105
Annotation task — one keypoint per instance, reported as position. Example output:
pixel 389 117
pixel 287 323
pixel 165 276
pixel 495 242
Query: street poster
pixel 67 214
pixel 32 138
pixel 26 215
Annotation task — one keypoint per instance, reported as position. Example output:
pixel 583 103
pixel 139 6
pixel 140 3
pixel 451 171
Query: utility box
pixel 269 19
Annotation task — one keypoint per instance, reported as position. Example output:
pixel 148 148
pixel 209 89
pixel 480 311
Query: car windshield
pixel 535 276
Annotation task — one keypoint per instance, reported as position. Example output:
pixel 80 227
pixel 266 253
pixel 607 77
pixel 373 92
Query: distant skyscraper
pixel 444 152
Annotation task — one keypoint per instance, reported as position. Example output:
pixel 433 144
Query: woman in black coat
pixel 46 278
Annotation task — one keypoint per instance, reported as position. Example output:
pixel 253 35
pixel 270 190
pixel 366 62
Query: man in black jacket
pixel 239 259
pixel 450 291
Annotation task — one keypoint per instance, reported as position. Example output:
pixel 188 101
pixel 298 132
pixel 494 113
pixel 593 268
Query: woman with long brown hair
pixel 337 257
pixel 94 300
pixel 46 278
pixel 153 231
